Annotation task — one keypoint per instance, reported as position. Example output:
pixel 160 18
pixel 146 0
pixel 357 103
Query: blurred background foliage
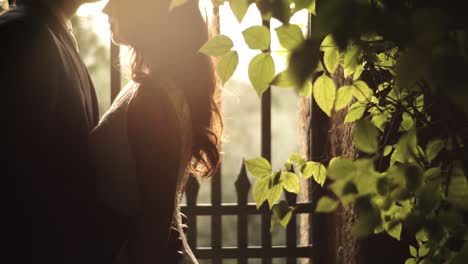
pixel 96 53
pixel 3 5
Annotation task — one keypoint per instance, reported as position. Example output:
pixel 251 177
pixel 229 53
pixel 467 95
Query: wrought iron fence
pixel 242 209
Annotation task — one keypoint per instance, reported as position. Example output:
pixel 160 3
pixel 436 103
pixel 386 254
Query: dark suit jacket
pixel 51 109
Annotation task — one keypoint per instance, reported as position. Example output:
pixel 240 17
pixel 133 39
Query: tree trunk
pixel 323 138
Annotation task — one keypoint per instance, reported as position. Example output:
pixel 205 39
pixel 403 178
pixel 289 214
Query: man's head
pixel 71 2
pixel 87 1
pixel 57 1
pixel 69 7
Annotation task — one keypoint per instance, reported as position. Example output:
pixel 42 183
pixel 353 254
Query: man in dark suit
pixel 51 109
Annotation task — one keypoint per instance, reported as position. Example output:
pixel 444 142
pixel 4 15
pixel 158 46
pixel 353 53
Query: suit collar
pixel 43 13
pixel 60 16
pixel 85 80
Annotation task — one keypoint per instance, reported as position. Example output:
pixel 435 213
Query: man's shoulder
pixel 17 25
pixel 15 18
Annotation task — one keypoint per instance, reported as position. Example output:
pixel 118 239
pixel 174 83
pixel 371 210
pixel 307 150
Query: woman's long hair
pixel 170 46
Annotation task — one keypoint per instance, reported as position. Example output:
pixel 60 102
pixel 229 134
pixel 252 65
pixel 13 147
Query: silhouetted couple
pixel 106 191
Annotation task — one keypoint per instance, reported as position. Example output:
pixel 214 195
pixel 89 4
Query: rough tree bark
pixel 323 138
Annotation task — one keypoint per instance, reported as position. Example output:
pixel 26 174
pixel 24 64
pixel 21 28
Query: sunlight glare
pixel 205 6
pixel 228 26
pixel 99 20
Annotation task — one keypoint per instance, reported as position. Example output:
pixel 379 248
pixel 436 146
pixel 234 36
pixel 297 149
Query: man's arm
pixel 29 75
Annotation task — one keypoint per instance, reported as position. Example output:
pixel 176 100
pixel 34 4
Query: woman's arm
pixel 153 136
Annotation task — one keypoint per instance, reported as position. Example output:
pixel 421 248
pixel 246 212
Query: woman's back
pixel 142 148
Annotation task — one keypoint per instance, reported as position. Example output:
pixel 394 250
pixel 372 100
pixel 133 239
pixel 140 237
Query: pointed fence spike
pixel 242 185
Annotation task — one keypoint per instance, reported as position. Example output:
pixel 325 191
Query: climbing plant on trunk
pixel 405 63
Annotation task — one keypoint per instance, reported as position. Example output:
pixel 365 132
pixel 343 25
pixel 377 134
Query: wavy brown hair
pixel 171 47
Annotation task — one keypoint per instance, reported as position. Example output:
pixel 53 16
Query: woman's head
pixel 166 43
pixel 150 27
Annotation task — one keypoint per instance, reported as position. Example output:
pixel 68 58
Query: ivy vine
pixel 405 64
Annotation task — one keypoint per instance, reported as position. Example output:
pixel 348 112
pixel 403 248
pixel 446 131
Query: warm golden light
pixel 99 20
pixel 228 25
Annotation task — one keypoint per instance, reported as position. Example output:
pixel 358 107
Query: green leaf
pixel 422 236
pixel 428 197
pixel 258 167
pixel 217 46
pixel 365 136
pixel 433 149
pixel 422 252
pixel 218 3
pixel 291 182
pixel 306 89
pixel 458 187
pixel 410 261
pixel 227 65
pixel 379 120
pixel 395 231
pixel 315 169
pixel 413 251
pixel 355 112
pixel 274 194
pixel 280 9
pixel 432 173
pixel 307 4
pixel 419 103
pixel 325 93
pixel 341 168
pixel 368 217
pixel 406 148
pixel 407 122
pixel 261 72
pixel 284 79
pixel 282 213
pixel 343 97
pixel 296 158
pixel 328 43
pixel 358 72
pixel 326 205
pixel 303 61
pixel 331 59
pixel 176 3
pixel 290 36
pixel 287 217
pixel 366 176
pixel 362 92
pixel 385 61
pixel 257 37
pixel 387 150
pixel 239 8
pixel 351 59
pixel 412 175
pixel 260 190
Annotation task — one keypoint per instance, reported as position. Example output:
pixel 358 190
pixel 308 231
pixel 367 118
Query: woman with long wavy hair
pixel 163 126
